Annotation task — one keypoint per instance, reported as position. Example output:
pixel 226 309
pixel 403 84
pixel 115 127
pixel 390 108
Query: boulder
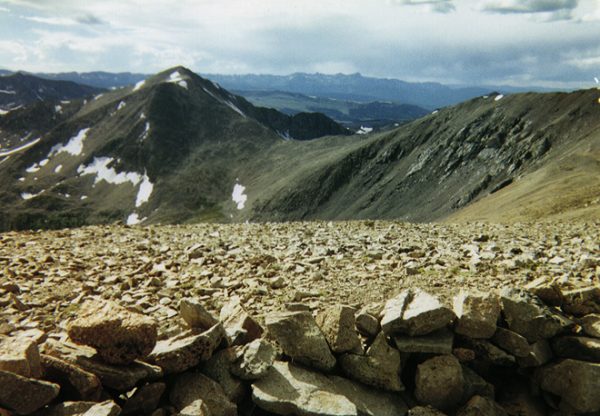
pixel 189 388
pixel 477 314
pixel 529 317
pixel 540 354
pixel 591 325
pixel 420 314
pixel 106 408
pixel 175 355
pixel 440 382
pixel 379 367
pixel 481 406
pixel 20 355
pixel 254 360
pixel 196 408
pixel 490 353
pixel 578 348
pixel 145 399
pixel 117 377
pixel 25 395
pixel 241 328
pixel 339 327
pixel 217 368
pixel 291 390
pixel 119 335
pixel 512 342
pixel 476 385
pixel 367 324
pixel 577 383
pixel 195 315
pixel 301 339
pixel 582 301
pixel 438 342
pixel 425 411
pixel 75 382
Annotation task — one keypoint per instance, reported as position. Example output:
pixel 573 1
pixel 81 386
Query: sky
pixel 549 43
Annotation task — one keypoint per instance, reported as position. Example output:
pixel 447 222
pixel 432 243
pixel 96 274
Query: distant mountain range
pixel 179 148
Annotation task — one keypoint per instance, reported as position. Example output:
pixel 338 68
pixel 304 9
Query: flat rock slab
pixel 195 315
pixel 301 339
pixel 578 348
pixel 178 354
pixel 338 324
pixel 240 326
pixel 591 325
pixel 512 342
pixel 438 342
pixel 25 395
pixel 119 377
pixel 75 382
pixel 291 390
pixel 576 382
pixel 106 408
pixel 20 355
pixel 119 335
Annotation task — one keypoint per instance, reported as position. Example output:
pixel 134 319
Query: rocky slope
pixel 358 318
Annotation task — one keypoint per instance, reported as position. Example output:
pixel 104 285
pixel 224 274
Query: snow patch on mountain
pixel 364 130
pixel 234 108
pixel 100 168
pixel 28 195
pixel 74 146
pixel 176 78
pixel 121 105
pixel 499 97
pixel 238 196
pixel 139 85
pixel 144 192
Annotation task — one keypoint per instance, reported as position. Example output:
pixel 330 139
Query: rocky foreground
pixel 360 318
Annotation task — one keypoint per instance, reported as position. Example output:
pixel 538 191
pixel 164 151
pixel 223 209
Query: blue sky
pixel 552 43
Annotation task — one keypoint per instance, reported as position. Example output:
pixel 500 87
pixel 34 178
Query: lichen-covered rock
pixel 195 315
pixel 477 314
pixel 254 360
pixel 291 390
pixel 175 355
pixel 119 335
pixel 577 383
pixel 301 339
pixel 191 387
pixel 339 327
pixel 20 355
pixel 379 367
pixel 25 395
pixel 439 382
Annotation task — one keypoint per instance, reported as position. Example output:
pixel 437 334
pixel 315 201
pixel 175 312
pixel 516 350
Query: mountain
pixel 352 114
pixel 355 87
pixel 169 148
pixel 178 148
pixel 99 79
pixel 20 89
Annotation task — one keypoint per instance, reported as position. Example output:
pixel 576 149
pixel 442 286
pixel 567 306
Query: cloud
pixel 54 21
pixel 530 6
pixel 90 19
pixel 4 9
pixel 438 6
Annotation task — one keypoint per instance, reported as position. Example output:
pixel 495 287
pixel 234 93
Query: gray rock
pixel 577 383
pixel 119 335
pixel 106 408
pixel 145 399
pixel 591 325
pixel 578 348
pixel 481 406
pixel 254 360
pixel 191 387
pixel 438 342
pixel 301 339
pixel 415 313
pixel 195 315
pixel 548 292
pixel 339 327
pixel 582 301
pixel 217 368
pixel 489 352
pixel 20 356
pixel 74 381
pixel 476 385
pixel 477 314
pixel 291 390
pixel 540 354
pixel 529 317
pixel 239 325
pixel 512 342
pixel 25 395
pixel 367 324
pixel 440 382
pixel 379 367
pixel 425 411
pixel 178 354
pixel 118 377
